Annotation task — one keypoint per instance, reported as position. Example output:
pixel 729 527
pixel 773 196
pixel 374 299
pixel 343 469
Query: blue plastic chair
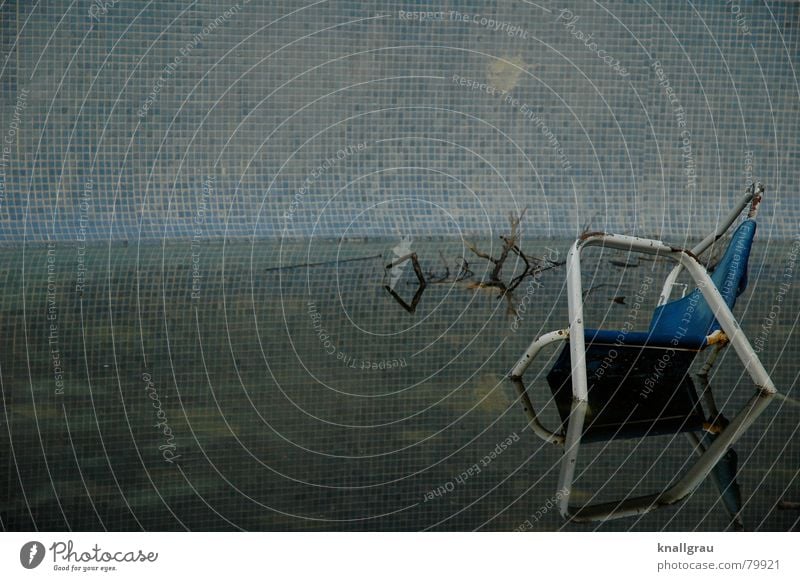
pixel 612 384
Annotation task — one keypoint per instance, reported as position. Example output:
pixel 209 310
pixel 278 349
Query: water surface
pixel 280 386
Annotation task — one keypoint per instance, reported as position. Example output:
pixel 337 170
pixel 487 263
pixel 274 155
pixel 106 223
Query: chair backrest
pixel 690 317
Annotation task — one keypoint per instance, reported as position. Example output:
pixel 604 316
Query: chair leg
pixel 702 377
pixel 725 482
pixel 533 420
pixel 724 472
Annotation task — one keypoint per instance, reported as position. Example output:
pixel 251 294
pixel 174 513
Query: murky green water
pixel 212 387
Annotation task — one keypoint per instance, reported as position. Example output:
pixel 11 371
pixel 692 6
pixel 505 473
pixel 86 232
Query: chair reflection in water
pixel 612 384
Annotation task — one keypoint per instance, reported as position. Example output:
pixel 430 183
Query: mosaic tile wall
pixel 131 119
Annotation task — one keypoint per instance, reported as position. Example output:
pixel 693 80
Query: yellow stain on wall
pixel 505 73
pixel 487 395
pixel 414 436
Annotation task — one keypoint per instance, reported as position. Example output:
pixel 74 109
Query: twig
pixel 533 266
pixel 464 270
pixel 307 264
pixel 399 261
pixel 414 302
pixel 480 254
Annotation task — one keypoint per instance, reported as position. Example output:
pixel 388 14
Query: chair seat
pixel 653 338
pixel 634 391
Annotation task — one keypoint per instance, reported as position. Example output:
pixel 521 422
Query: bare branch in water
pixel 414 301
pixel 464 270
pixel 788 505
pixel 532 266
pixel 420 278
pixel 478 253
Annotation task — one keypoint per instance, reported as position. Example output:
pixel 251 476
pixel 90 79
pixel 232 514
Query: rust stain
pixel 717 337
pixel 587 235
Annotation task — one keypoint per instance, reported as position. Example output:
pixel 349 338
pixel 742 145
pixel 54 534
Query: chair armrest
pixel 516 378
pixel 533 350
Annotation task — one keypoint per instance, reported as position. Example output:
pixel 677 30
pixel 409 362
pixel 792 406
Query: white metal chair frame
pixel 686 259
